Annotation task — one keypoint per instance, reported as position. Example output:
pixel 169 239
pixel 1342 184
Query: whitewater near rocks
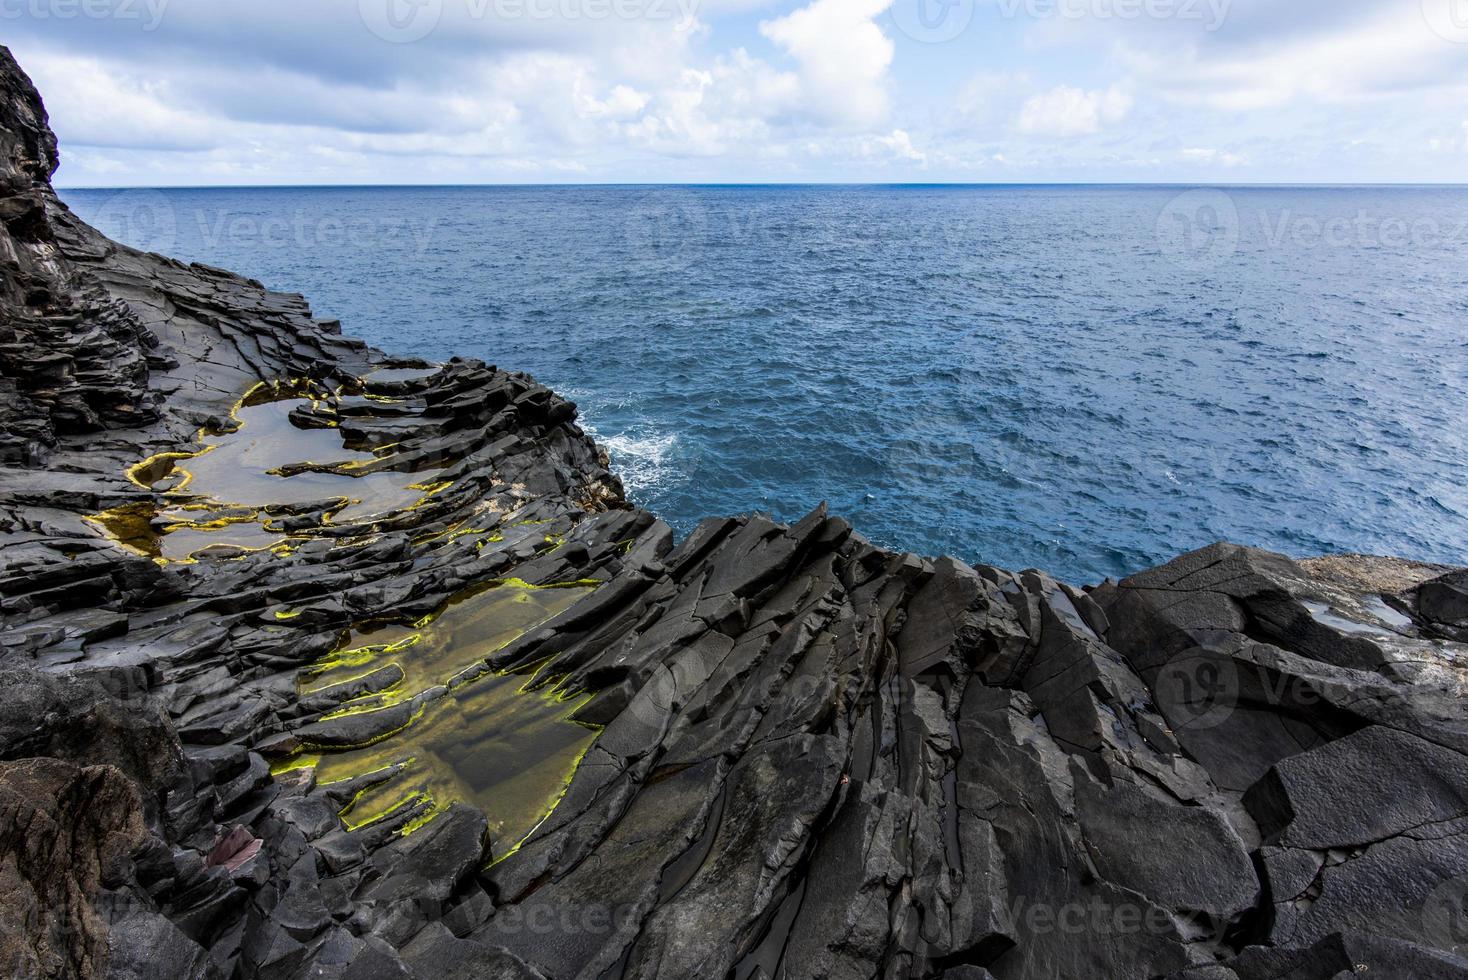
pixel 322 664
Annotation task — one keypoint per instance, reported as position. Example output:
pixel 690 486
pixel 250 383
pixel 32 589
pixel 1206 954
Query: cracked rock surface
pixel 438 702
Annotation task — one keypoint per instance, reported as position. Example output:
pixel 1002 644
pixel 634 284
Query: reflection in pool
pixel 233 490
pixel 486 741
pixel 458 733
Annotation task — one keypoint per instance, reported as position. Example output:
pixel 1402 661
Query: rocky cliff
pixel 320 664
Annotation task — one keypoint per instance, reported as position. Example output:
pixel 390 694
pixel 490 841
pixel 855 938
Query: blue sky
pixel 197 92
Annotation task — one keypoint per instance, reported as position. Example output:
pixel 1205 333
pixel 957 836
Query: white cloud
pixel 1067 111
pixel 735 101
pixel 757 90
pixel 550 93
pixel 1367 58
pixel 987 100
pixel 1450 144
pixel 843 57
pixel 897 144
pixel 110 108
pixel 1208 154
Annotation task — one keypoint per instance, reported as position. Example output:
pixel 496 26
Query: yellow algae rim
pixel 305 389
pixel 309 755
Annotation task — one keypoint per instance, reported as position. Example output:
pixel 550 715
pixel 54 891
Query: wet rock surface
pixel 495 722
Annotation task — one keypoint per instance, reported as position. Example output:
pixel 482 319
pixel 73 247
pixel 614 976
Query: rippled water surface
pixel 1088 380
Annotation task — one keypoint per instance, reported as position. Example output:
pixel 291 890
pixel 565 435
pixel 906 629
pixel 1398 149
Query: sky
pixel 268 92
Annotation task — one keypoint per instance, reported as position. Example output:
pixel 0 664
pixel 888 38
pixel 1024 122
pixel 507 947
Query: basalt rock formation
pixel 321 664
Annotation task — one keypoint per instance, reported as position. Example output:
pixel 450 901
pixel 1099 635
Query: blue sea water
pixel 1085 379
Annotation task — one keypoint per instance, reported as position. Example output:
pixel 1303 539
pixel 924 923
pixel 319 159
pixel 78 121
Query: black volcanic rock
pixel 72 358
pixel 425 697
pixel 1443 604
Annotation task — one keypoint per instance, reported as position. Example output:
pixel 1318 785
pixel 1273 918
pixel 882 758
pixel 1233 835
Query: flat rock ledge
pixel 806 757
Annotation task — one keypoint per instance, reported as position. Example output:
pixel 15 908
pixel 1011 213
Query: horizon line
pixel 780 184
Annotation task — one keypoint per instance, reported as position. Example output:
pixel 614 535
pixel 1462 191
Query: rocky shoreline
pixel 321 664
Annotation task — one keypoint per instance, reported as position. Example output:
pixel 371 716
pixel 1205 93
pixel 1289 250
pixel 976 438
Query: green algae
pixel 243 480
pixel 488 741
pixel 499 742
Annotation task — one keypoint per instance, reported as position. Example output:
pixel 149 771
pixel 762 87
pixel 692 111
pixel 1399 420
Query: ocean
pixel 1088 380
